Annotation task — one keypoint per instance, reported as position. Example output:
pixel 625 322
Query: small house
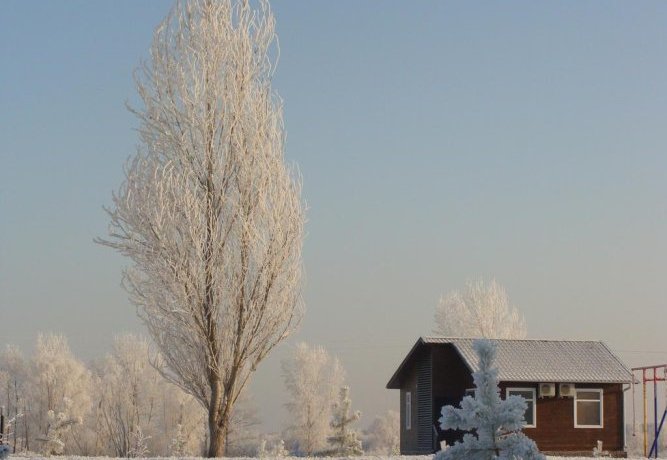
pixel 574 391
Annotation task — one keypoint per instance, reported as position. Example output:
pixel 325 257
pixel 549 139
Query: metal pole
pixel 655 409
pixel 655 441
pixel 645 428
pixel 634 421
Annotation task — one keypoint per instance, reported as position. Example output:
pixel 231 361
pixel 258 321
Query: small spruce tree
pixel 345 441
pixel 496 423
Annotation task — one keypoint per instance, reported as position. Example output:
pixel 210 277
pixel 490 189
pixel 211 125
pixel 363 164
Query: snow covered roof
pixel 538 360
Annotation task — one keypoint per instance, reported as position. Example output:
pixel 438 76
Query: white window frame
pixel 600 391
pixel 408 410
pixel 532 390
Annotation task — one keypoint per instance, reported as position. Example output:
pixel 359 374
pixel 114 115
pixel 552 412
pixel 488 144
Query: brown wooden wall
pixel 555 431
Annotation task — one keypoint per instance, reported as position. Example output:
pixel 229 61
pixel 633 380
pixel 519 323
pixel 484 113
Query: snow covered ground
pixel 366 457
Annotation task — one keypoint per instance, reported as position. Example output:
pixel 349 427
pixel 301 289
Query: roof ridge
pixel 430 337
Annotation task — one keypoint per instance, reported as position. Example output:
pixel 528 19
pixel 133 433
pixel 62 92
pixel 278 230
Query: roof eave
pixel 574 381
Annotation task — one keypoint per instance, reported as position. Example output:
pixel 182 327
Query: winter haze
pixel 438 141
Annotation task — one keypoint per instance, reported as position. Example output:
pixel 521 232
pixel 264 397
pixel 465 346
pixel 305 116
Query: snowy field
pixel 365 457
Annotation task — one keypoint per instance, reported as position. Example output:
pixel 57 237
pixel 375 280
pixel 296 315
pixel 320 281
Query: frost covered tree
pixel 179 416
pixel 243 436
pixel 345 442
pixel 58 427
pixel 132 397
pixel 383 436
pixel 479 310
pixel 13 397
pixel 496 423
pixel 129 394
pixel 65 408
pixel 312 378
pixel 209 213
pixel 60 391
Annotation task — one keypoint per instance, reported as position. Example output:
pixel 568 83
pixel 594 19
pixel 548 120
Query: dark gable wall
pixel 555 431
pixel 409 437
pixel 451 378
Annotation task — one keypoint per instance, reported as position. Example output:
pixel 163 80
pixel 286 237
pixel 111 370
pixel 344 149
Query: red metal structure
pixel 649 374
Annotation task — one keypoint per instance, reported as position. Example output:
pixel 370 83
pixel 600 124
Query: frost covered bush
pixel 4 451
pixel 383 436
pixel 278 450
pixel 59 425
pixel 496 423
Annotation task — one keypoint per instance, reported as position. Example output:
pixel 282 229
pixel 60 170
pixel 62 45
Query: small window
pixel 408 410
pixel 588 408
pixel 531 411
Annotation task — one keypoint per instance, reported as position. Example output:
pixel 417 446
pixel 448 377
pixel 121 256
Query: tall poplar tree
pixel 210 215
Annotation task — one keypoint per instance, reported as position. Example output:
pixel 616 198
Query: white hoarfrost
pixel 14 382
pixel 60 395
pixel 313 378
pixel 209 214
pixel 383 436
pixel 365 457
pixel 345 440
pixel 496 423
pixel 137 411
pixel 479 310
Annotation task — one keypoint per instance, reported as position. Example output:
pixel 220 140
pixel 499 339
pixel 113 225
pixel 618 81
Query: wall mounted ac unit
pixel 547 390
pixel 566 390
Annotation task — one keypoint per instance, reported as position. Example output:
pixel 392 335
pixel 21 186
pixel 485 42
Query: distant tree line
pixel 121 406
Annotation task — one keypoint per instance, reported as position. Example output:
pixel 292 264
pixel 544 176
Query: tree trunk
pixel 218 431
pixel 219 417
pixel 217 446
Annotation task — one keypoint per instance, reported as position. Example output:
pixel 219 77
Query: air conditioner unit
pixel 547 390
pixel 566 390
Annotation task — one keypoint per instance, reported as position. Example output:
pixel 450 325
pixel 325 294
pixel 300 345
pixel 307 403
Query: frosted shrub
pixel 383 436
pixel 496 423
pixel 4 451
pixel 139 446
pixel 277 451
pixel 53 442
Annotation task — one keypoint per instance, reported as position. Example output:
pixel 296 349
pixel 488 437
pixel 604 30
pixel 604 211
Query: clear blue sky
pixel 438 141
